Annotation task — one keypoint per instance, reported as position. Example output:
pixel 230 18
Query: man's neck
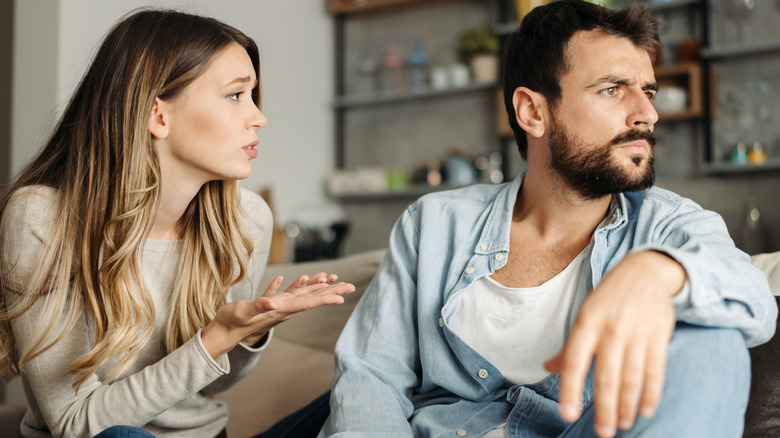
pixel 548 205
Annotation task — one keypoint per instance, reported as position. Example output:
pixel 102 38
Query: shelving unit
pixel 687 76
pixel 402 128
pixel 345 102
pixel 723 119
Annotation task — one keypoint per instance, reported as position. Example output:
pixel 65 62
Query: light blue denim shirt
pixel 402 371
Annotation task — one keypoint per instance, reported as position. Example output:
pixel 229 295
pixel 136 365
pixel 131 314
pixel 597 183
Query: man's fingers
pixel 608 378
pixel 575 363
pixel 634 363
pixel 655 373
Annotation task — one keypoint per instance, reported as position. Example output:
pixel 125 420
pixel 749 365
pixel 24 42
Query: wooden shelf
pixel 687 76
pixel 671 4
pixel 510 26
pixel 411 192
pixel 385 98
pixel 726 169
pixel 338 7
pixel 713 53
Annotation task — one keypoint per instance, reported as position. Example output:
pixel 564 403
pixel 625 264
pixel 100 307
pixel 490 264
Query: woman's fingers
pixel 307 297
pixel 273 287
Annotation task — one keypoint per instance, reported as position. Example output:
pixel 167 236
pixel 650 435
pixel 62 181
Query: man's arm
pixel 689 270
pixel 377 356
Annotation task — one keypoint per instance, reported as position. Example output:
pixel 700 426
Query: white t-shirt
pixel 518 329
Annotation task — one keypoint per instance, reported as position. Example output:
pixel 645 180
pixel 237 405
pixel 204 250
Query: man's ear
pixel 158 119
pixel 530 111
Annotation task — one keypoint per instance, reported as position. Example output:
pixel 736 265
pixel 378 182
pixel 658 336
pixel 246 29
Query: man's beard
pixel 595 172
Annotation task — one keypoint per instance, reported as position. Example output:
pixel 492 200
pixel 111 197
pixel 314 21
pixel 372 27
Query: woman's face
pixel 210 129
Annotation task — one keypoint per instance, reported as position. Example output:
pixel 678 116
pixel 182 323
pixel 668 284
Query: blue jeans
pixel 124 432
pixel 306 423
pixel 706 389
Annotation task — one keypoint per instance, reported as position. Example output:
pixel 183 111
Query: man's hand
pixel 248 321
pixel 626 323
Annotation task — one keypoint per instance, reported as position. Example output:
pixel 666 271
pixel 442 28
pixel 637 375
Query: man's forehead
pixel 594 53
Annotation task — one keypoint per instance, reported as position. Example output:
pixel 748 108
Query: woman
pixel 129 257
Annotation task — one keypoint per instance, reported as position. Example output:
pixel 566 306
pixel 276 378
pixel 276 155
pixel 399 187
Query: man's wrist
pixel 669 271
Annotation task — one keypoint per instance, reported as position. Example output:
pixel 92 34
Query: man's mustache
pixel 634 135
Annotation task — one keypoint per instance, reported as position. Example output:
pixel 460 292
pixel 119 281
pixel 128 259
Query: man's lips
pixel 637 148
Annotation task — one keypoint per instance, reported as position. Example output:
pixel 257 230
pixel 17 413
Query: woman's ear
pixel 158 119
pixel 530 111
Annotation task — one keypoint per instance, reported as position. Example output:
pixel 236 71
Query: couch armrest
pixel 320 328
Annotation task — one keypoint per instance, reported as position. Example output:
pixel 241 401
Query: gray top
pixel 166 394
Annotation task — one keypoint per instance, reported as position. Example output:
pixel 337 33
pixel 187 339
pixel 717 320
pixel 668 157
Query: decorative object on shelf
pixel 418 59
pixel 739 155
pixel 757 154
pixel 671 99
pixel 440 78
pixel 358 181
pixel 460 169
pixel 688 50
pixel 369 66
pixel 392 63
pixel 479 48
pixel 740 11
pixel 459 75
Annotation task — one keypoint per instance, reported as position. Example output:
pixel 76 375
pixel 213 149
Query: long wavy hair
pixel 102 163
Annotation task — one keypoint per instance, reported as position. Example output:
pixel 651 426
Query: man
pixel 576 300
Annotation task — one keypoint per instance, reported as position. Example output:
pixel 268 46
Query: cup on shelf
pixel 459 75
pixel 670 99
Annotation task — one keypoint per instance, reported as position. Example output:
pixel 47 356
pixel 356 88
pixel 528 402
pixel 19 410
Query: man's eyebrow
pixel 617 80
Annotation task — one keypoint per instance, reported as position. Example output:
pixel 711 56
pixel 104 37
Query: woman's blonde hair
pixel 102 162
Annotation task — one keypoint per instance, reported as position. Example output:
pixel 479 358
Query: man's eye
pixel 650 95
pixel 611 91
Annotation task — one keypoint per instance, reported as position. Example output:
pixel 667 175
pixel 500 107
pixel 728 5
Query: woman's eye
pixel 235 96
pixel 611 91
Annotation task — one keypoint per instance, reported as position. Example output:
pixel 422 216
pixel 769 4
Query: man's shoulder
pixel 478 195
pixel 659 198
pixel 657 203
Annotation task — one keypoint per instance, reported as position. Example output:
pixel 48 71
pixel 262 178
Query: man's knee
pixel 706 354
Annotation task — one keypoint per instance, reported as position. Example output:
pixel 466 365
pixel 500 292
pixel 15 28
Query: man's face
pixel 600 135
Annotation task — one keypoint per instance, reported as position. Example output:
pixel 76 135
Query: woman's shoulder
pixel 30 206
pixel 24 228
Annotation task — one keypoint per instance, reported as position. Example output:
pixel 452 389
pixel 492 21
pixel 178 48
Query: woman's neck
pixel 174 200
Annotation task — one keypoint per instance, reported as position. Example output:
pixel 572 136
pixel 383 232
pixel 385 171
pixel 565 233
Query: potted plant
pixel 479 48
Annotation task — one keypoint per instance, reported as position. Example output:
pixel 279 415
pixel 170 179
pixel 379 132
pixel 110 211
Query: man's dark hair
pixel 536 57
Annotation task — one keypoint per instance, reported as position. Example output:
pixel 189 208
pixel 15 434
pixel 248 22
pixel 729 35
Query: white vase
pixel 484 68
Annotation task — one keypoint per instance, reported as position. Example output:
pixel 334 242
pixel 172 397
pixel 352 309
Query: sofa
pixel 298 366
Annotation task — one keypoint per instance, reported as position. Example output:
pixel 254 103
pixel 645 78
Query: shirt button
pixel 483 374
pixel 499 257
pixel 483 247
pixel 441 322
pixel 462 432
pixel 470 270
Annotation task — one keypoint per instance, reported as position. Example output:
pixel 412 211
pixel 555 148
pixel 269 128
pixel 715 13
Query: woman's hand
pixel 248 321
